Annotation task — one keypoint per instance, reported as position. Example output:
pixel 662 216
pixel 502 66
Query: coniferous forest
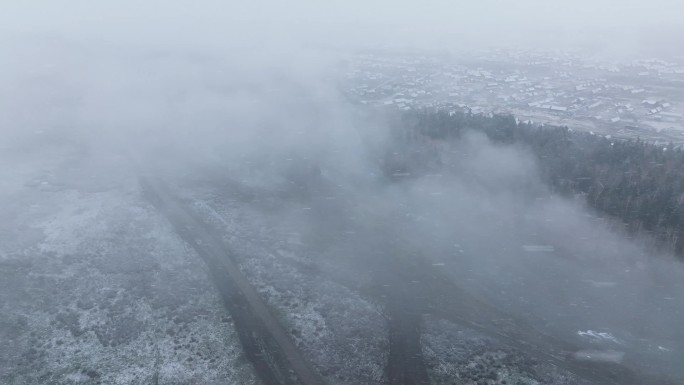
pixel 637 186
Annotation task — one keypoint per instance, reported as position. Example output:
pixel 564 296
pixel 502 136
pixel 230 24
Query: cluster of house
pixel 551 86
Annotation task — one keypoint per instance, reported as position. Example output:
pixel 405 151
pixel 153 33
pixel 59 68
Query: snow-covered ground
pixel 459 355
pixel 342 333
pixel 95 287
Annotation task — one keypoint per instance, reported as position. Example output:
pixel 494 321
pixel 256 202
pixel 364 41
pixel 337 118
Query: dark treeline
pixel 637 184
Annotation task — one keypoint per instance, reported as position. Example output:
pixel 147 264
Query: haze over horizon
pixel 621 28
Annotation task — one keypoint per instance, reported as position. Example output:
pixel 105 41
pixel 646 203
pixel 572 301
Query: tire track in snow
pixel 266 343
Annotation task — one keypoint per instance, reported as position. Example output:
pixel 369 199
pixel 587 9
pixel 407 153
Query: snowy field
pixel 95 287
pixel 342 333
pixel 459 355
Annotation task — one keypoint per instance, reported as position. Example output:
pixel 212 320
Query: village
pixel 638 98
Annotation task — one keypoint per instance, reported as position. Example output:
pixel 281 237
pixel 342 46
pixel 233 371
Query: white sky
pixel 421 23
